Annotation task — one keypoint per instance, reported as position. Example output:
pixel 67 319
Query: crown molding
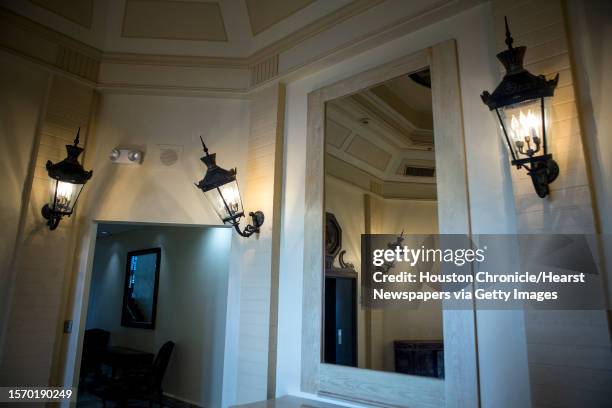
pixel 174 60
pixel 411 189
pixel 47 46
pixel 169 90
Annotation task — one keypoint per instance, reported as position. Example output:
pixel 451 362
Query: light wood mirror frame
pixel 460 386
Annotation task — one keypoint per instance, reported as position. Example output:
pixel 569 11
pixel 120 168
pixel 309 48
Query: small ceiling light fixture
pixel 67 181
pixel 520 103
pixel 221 189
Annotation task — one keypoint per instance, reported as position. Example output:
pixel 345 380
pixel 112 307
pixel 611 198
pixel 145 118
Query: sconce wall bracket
pixel 53 217
pixel 543 170
pixel 257 219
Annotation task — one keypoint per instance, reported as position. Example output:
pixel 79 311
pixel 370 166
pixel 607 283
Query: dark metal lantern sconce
pixel 520 104
pixel 67 181
pixel 221 189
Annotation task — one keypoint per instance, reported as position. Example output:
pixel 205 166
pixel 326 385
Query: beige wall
pixel 153 192
pixel 191 303
pixel 590 28
pixel 22 94
pixel 39 264
pixel 391 216
pixel 566 349
pixel 148 193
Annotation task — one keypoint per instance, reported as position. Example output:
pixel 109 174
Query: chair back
pixel 161 364
pixel 95 340
pixel 95 343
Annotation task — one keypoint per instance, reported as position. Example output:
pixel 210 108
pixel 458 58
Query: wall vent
pixel 419 171
pixel 264 70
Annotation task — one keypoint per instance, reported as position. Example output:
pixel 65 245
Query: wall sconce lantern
pixel 520 103
pixel 221 189
pixel 67 181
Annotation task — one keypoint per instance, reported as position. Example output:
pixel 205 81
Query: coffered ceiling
pixel 79 12
pixel 173 20
pixel 211 28
pixel 264 14
pixel 374 135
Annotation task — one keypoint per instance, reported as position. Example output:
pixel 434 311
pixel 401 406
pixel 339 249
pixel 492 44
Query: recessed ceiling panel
pixel 79 12
pixel 264 14
pixel 174 20
pixel 335 133
pixel 365 151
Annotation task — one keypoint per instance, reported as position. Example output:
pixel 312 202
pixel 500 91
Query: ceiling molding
pixel 175 60
pixel 347 172
pixel 43 43
pixel 169 90
pixel 380 109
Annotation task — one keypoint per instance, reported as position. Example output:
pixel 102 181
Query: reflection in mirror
pixel 140 290
pixel 380 178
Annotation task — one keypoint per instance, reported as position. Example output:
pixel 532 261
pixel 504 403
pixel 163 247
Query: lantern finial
pixel 509 39
pixel 204 146
pixel 76 140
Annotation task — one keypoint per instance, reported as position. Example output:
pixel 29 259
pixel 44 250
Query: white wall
pixel 191 303
pixel 491 204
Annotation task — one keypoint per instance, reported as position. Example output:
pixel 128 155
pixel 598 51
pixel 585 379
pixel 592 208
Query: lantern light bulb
pixel 64 196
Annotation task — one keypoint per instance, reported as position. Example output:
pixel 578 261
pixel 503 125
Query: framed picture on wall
pixel 140 288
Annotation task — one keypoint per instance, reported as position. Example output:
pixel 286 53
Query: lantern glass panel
pixel 231 194
pixel 523 131
pixel 64 195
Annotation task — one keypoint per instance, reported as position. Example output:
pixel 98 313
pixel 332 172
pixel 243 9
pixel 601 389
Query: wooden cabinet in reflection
pixel 419 357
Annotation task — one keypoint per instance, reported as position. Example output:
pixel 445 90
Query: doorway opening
pixel 156 315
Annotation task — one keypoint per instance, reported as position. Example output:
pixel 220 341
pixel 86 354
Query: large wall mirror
pixel 140 288
pixel 385 155
pixel 380 178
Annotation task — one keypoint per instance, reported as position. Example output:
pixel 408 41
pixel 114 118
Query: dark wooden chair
pixel 144 384
pixel 95 344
